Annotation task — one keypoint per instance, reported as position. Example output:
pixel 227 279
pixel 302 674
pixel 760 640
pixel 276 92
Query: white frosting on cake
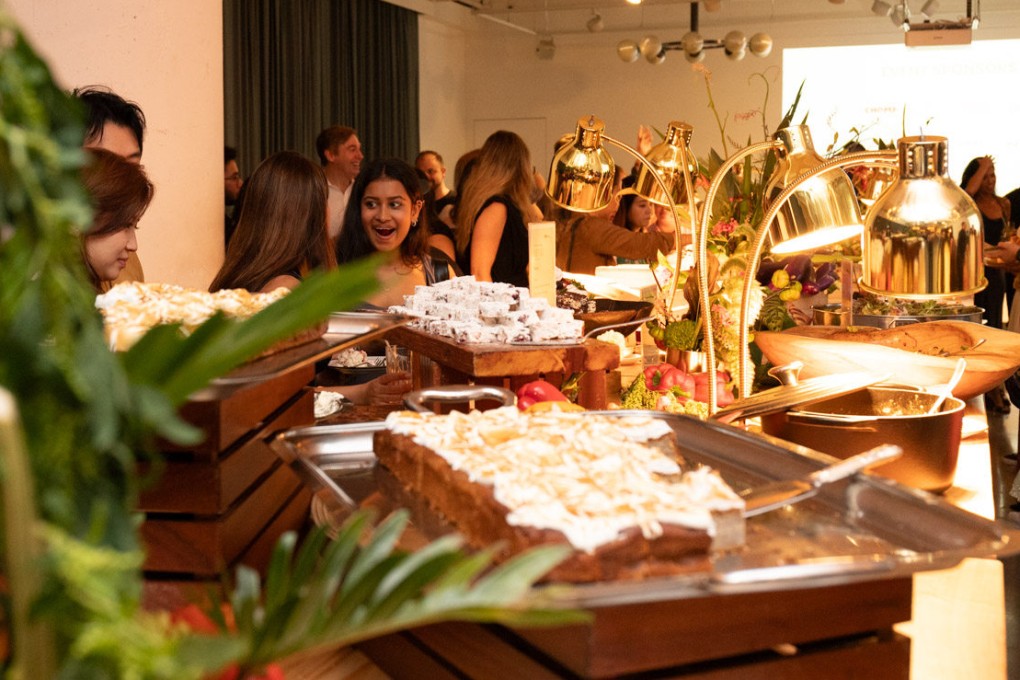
pixel 476 312
pixel 586 475
pixel 130 309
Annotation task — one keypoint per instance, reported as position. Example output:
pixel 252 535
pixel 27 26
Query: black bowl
pixel 609 311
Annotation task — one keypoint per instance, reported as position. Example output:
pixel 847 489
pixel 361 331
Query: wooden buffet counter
pixel 848 630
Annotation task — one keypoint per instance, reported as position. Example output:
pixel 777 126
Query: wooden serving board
pixel 922 354
pixel 509 365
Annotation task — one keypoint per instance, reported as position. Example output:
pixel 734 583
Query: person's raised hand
pixel 644 139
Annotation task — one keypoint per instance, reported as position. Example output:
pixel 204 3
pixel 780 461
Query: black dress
pixel 511 263
pixel 991 298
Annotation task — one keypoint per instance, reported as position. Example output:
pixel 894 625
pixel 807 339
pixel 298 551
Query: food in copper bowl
pixel 855 422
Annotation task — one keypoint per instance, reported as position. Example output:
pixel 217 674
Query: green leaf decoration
pixel 88 417
pixel 389 590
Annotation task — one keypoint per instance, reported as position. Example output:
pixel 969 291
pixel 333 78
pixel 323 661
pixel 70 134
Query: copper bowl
pixel 855 422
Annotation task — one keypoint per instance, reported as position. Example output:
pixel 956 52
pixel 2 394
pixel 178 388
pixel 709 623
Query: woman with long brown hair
pixel 494 211
pixel 120 193
pixel 281 231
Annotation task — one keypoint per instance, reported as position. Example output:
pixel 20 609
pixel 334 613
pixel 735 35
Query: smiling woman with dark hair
pixel 386 215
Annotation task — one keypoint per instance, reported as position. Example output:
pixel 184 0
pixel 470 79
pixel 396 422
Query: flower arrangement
pixel 736 211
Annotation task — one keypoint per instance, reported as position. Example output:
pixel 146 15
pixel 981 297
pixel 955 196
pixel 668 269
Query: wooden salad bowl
pixel 922 354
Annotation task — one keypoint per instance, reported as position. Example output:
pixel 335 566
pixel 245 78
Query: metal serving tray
pixel 343 330
pixel 865 528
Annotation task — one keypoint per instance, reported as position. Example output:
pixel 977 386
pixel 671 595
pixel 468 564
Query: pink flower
pixel 724 227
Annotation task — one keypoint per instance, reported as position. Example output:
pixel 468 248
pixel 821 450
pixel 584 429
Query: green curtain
pixel 293 67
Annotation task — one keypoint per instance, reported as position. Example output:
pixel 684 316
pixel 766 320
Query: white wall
pixel 168 57
pixel 505 80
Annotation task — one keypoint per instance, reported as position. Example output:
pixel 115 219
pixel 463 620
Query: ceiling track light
pixel 735 45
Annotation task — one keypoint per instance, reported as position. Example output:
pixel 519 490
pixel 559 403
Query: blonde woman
pixel 494 212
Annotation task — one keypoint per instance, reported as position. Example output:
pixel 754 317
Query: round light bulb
pixel 692 43
pixel 734 41
pixel 650 47
pixel 735 56
pixel 656 59
pixel 628 51
pixel 694 58
pixel 760 44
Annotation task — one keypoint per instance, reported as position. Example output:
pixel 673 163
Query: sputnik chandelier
pixel 735 45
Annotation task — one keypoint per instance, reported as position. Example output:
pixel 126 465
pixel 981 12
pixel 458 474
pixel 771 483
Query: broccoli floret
pixel 638 396
pixel 698 409
pixel 682 334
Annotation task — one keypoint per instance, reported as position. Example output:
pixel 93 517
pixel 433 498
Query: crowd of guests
pixel 293 216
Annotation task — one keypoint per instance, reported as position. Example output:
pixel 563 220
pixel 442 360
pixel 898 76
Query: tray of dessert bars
pixel 343 330
pixel 864 528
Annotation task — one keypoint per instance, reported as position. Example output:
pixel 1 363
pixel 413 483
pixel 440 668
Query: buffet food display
pixel 131 309
pixel 616 491
pixel 480 312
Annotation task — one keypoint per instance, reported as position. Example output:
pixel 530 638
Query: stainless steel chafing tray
pixel 865 528
pixel 343 330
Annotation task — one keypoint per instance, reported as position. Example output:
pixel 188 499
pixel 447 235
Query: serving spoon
pixel 947 391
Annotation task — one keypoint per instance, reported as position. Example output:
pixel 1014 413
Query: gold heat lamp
pixel 923 236
pixel 581 174
pixel 669 158
pixel 821 211
pixel 814 196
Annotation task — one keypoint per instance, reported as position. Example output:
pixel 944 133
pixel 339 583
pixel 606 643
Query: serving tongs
pixel 783 492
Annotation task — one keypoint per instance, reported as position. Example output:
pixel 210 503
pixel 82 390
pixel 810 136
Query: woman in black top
pixel 494 211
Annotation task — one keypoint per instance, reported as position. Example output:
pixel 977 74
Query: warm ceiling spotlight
pixel 546 48
pixel 881 8
pixel 634 2
pixel 900 16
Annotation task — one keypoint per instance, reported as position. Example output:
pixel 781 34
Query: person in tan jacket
pixel 585 241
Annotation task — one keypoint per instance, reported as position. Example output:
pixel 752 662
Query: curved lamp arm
pixel 887 158
pixel 672 206
pixel 701 258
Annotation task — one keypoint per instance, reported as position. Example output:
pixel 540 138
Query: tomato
pixel 537 391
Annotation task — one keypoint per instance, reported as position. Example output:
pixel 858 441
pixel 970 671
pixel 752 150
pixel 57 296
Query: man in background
pixel 117 125
pixel 340 155
pixel 232 183
pixel 431 163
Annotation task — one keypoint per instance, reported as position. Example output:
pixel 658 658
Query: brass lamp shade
pixel 581 172
pixel 669 158
pixel 923 236
pixel 822 211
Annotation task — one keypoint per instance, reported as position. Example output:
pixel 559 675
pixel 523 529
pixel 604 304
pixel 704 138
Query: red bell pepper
pixel 723 397
pixel 536 391
pixel 665 377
